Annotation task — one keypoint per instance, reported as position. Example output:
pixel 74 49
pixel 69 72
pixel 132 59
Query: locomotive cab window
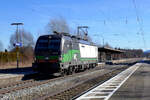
pixel 46 44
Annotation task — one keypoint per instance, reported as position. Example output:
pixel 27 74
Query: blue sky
pixel 113 20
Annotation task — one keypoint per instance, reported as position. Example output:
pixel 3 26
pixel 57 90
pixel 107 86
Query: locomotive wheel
pixel 69 71
pixel 76 70
pixel 62 72
pixel 73 70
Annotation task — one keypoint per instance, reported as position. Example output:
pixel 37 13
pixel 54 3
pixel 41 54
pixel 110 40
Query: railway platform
pixel 133 83
pixel 105 91
pixel 14 74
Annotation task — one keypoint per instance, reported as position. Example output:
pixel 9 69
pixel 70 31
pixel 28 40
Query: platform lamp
pixel 17 45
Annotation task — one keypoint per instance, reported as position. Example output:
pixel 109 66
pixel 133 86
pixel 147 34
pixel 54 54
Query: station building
pixel 106 54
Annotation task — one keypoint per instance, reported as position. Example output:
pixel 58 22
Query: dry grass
pixel 14 64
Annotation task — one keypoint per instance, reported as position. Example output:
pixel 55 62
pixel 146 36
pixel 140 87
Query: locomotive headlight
pixel 34 58
pixel 46 58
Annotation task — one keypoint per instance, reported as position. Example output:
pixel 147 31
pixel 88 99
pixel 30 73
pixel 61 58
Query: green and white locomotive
pixel 63 53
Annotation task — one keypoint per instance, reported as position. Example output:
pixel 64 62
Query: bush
pixel 8 57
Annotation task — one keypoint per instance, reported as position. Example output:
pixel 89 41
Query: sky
pixel 115 21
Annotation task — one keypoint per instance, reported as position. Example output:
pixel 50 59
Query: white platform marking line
pixel 94 97
pixel 136 67
pixel 123 75
pixel 100 92
pixel 103 89
pixel 107 82
pixel 106 86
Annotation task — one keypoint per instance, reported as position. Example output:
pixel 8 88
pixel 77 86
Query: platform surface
pixel 136 87
pixel 20 72
pixel 131 84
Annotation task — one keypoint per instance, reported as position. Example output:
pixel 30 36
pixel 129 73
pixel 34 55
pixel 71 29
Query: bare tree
pixel 1 46
pixel 22 36
pixel 26 38
pixel 59 25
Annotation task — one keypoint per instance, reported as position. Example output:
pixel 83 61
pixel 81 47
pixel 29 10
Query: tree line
pixel 132 53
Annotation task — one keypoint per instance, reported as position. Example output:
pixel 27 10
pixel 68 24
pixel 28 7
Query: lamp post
pixel 17 44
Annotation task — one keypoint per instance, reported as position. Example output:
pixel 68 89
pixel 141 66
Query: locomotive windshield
pixel 48 44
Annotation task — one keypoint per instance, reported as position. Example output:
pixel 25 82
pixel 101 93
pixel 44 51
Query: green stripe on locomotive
pixel 85 59
pixel 68 57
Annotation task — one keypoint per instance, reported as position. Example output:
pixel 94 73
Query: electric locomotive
pixel 64 53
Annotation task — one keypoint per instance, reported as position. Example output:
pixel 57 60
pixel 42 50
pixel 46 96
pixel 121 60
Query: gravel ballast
pixel 57 85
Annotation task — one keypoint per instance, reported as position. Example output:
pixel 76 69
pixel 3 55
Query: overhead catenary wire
pixel 112 24
pixel 140 22
pixel 106 23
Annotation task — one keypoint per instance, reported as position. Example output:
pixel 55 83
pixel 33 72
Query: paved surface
pixel 137 87
pixel 13 75
pixel 107 89
pixel 9 73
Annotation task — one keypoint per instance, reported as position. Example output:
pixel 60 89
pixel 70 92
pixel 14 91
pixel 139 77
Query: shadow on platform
pixel 129 64
pixel 145 61
pixel 16 70
pixel 39 77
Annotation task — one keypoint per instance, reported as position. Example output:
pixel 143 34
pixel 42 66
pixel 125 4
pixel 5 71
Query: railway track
pixel 66 93
pixel 77 90
pixel 14 86
pixel 22 85
pixel 8 88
